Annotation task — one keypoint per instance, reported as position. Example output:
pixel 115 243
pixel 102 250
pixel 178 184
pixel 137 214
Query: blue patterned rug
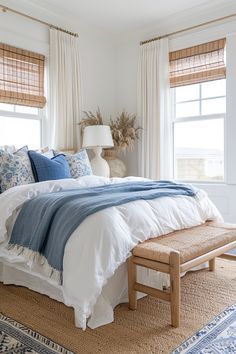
pixel 217 337
pixel 16 338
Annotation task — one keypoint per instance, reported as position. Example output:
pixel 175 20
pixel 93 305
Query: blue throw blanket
pixel 46 222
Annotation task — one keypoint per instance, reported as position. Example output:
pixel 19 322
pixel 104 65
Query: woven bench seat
pixel 190 243
pixel 176 253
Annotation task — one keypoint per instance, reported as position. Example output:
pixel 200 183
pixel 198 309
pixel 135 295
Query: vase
pixel 117 166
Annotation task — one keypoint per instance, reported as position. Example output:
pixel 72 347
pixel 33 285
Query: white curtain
pixel 65 101
pixel 153 110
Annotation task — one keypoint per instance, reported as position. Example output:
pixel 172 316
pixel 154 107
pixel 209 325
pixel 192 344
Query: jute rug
pixel 147 330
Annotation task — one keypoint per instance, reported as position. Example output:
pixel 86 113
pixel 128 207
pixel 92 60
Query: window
pixel 198 95
pixel 21 125
pixel 198 131
pixel 21 96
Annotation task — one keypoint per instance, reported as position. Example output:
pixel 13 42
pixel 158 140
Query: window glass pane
pixel 188 109
pixel 7 107
pixel 199 150
pixel 27 110
pixel 187 93
pixel 20 132
pixel 214 88
pixel 214 106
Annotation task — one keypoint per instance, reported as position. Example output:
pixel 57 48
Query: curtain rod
pixel 188 29
pixel 5 9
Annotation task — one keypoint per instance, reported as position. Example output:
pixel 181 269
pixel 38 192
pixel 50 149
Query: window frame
pixel 199 117
pixel 41 117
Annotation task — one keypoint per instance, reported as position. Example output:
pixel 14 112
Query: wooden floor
pixel 147 330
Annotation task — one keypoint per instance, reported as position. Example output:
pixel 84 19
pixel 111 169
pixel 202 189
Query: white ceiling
pixel 121 16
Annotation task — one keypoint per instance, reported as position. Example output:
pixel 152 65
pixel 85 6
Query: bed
pixel 94 264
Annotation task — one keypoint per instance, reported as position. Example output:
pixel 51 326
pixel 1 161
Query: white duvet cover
pixel 99 247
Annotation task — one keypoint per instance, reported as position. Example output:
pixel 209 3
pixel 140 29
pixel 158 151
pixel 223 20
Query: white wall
pixel 125 91
pixel 223 195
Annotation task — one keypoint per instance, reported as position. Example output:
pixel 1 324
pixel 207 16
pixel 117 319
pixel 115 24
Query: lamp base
pixel 99 166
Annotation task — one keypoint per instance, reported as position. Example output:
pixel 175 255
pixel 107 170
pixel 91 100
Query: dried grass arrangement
pixel 124 129
pixel 91 119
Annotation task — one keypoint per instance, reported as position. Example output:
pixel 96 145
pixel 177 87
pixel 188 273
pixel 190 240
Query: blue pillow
pixel 45 169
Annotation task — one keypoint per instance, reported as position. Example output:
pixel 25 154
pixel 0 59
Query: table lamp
pixel 98 137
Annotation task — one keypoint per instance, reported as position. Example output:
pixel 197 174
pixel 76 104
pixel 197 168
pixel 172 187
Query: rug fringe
pixel 35 257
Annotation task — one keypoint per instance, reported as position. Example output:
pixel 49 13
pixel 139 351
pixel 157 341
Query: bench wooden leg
pixel 175 288
pixel 132 275
pixel 212 265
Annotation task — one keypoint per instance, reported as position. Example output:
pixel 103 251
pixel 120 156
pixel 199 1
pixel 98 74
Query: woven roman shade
pixel 205 62
pixel 21 77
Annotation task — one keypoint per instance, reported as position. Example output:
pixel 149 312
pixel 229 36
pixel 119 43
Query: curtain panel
pixel 65 100
pixel 21 77
pixel 153 109
pixel 204 62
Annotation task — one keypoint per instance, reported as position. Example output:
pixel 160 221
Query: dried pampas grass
pixel 91 119
pixel 124 129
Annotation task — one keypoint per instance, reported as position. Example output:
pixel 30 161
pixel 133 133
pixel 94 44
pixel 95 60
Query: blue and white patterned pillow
pixel 15 169
pixel 8 148
pixel 79 164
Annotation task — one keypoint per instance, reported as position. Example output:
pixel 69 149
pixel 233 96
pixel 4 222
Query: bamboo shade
pixel 205 62
pixel 21 77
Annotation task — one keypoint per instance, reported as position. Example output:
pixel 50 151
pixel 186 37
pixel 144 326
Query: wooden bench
pixel 176 253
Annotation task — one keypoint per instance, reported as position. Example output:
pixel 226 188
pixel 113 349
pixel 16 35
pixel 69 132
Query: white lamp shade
pixel 97 135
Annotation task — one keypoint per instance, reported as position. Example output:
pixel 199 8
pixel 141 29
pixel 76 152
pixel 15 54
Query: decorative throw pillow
pixel 46 169
pixel 79 164
pixel 15 169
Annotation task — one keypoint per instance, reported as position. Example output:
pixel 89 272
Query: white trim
pixel 200 117
pixel 20 115
pixel 230 126
pixel 201 99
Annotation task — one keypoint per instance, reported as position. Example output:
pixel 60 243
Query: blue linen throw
pixel 46 222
